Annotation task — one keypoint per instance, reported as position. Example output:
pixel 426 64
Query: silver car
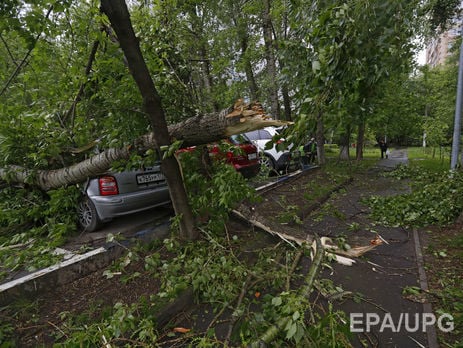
pixel 116 194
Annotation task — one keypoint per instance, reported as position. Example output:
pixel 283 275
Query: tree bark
pixel 271 62
pixel 242 26
pixel 253 89
pixel 206 79
pixel 88 69
pixel 286 102
pixel 244 38
pixel 344 141
pixel 118 15
pixel 360 141
pixel 320 137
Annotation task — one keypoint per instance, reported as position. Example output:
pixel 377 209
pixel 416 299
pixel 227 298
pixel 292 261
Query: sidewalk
pixel 377 279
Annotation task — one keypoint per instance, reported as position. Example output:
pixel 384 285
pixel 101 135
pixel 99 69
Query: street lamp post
pixel 457 123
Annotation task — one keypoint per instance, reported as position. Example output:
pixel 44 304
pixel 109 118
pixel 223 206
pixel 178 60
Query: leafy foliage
pixel 441 12
pixel 445 248
pixel 333 56
pixel 216 269
pixel 32 225
pixel 436 198
pixel 214 189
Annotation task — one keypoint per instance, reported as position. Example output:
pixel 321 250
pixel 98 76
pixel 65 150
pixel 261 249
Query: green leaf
pixel 277 301
pixel 292 330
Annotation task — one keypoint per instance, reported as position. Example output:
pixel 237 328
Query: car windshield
pixel 259 135
pixel 237 139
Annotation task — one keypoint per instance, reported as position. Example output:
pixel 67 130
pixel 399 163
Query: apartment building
pixel 439 47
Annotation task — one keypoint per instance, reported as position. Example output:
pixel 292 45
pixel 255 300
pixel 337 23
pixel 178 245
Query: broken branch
pixel 275 329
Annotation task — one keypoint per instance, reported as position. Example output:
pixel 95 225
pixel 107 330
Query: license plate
pixel 252 156
pixel 150 177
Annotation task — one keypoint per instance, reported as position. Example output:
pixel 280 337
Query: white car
pixel 272 158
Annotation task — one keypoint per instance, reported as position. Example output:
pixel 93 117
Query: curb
pixel 427 307
pixel 281 180
pixel 76 266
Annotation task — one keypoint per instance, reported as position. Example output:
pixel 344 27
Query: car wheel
pixel 88 216
pixel 267 163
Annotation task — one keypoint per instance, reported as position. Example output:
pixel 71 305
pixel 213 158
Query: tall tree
pixel 271 67
pixel 118 14
pixel 344 59
pixel 244 37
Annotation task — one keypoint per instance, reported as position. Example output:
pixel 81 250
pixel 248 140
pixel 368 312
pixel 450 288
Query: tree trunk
pixel 207 79
pixel 197 130
pixel 320 136
pixel 344 142
pixel 253 89
pixel 70 115
pixel 271 62
pixel 360 141
pixel 118 15
pixel 286 102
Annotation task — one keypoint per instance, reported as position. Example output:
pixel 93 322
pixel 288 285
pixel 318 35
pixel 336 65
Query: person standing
pixel 310 150
pixel 383 148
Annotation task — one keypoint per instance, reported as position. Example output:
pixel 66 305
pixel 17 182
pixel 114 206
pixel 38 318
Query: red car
pixel 244 157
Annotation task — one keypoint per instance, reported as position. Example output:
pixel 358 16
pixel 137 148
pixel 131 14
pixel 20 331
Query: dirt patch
pixel 36 323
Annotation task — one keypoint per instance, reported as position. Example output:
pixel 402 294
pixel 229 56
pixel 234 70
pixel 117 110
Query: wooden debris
pixel 343 257
pixel 181 330
pixel 244 213
pixel 252 116
pixel 352 252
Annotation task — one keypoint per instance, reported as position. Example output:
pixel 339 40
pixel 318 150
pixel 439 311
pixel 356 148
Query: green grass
pixel 369 153
pixel 434 159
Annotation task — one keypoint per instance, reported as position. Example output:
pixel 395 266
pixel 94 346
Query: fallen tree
pixel 197 130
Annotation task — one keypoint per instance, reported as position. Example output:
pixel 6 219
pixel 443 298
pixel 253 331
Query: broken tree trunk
pixel 118 15
pixel 196 130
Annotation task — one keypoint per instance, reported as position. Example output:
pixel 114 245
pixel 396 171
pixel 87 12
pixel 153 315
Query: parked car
pixel 246 158
pixel 272 158
pixel 242 155
pixel 116 194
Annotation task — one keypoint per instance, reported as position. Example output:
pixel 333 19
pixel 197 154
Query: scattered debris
pixel 181 330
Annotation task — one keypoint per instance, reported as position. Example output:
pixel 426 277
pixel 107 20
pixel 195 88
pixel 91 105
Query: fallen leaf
pixel 376 241
pixel 181 330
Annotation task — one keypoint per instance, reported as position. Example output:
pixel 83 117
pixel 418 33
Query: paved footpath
pixel 380 276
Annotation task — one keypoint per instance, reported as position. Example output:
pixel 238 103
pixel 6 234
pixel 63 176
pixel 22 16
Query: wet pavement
pixel 379 310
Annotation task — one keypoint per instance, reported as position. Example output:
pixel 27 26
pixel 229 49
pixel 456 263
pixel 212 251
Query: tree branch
pixel 275 329
pixel 72 110
pixel 18 68
pixel 8 50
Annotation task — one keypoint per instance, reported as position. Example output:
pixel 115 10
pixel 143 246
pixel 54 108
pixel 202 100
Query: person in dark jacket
pixel 383 148
pixel 310 150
